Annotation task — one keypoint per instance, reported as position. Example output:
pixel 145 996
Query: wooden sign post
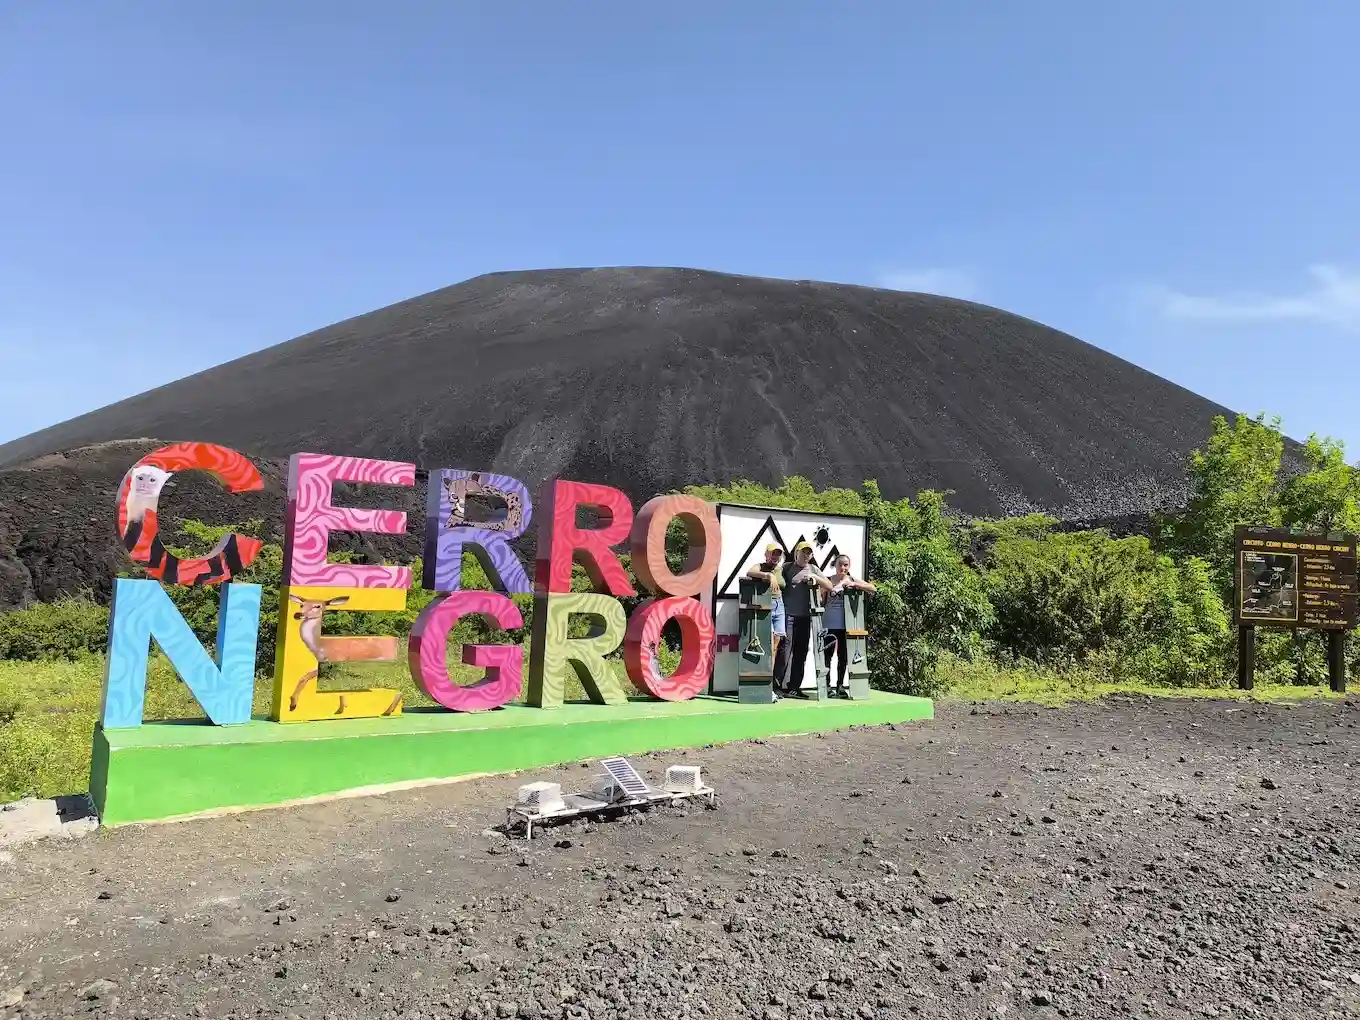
pixel 857 642
pixel 1296 582
pixel 755 643
pixel 820 671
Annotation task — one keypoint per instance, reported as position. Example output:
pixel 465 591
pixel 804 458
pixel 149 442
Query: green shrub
pixel 1087 598
pixel 68 628
pixel 1064 596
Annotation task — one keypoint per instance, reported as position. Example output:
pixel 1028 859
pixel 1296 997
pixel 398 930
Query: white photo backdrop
pixel 746 530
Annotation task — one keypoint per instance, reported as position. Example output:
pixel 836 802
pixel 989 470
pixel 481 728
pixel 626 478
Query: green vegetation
pixel 1012 609
pixel 48 711
pixel 985 680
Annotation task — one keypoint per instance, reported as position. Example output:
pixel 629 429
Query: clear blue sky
pixel 185 182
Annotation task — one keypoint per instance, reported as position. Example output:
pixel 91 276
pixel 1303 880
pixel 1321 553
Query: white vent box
pixel 542 797
pixel 683 779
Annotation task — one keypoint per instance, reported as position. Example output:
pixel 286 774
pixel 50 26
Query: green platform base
pixel 164 771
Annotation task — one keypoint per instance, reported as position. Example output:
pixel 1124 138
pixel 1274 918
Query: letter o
pixel 647 544
pixel 696 648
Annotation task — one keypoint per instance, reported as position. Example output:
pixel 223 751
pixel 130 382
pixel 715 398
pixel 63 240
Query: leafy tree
pixel 1326 494
pixel 1233 481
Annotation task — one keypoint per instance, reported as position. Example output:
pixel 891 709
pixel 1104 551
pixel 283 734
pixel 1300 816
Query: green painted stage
pixel 168 770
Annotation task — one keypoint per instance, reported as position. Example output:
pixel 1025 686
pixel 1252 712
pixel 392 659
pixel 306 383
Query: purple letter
pixel 448 530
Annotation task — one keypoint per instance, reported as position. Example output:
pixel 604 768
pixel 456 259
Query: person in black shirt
pixel 800 577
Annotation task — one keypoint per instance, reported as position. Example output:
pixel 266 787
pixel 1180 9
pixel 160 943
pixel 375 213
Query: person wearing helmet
pixel 800 578
pixel 770 572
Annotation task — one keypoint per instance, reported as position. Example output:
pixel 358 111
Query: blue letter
pixel 142 610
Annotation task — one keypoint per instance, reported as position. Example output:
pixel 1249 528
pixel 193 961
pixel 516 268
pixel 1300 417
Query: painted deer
pixel 310 612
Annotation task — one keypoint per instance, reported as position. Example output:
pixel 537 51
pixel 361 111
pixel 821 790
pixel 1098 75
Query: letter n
pixel 141 611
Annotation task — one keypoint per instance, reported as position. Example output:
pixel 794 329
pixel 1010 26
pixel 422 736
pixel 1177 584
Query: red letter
pixel 696 641
pixel 562 538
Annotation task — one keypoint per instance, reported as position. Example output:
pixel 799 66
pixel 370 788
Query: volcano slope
pixel 647 379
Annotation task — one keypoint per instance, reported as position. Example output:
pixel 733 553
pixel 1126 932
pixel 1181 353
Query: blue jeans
pixel 777 617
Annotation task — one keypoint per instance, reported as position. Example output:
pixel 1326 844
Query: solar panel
pixel 623 773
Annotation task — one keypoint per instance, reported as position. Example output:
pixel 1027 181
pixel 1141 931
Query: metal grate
pixel 623 773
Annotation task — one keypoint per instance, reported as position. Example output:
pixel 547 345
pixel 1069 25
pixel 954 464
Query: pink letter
pixel 427 652
pixel 312 517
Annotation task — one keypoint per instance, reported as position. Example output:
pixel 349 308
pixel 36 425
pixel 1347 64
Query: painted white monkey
pixel 144 491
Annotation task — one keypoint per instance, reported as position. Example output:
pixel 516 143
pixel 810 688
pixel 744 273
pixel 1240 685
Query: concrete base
pixel 755 692
pixel 163 771
pixel 29 820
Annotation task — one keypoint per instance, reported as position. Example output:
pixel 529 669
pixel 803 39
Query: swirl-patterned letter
pixel 449 530
pixel 427 652
pixel 142 610
pixel 139 504
pixel 312 517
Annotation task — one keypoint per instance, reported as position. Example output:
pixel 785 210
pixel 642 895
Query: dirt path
pixel 1129 859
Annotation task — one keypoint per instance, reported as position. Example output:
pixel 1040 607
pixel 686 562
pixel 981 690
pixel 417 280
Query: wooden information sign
pixel 1299 582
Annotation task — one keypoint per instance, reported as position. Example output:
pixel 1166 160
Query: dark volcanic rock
pixel 648 379
pixel 654 378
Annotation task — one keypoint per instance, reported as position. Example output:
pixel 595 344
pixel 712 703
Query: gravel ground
pixel 1132 858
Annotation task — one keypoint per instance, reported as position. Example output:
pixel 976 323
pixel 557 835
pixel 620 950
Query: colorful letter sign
pixel 648 545
pixel 139 507
pixel 576 635
pixel 302 648
pixel 427 651
pixel 563 540
pixel 449 530
pixel 557 655
pixel 312 517
pixel 141 611
pixel 696 642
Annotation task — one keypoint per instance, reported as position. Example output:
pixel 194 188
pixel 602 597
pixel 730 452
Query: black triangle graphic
pixel 768 527
pixel 830 558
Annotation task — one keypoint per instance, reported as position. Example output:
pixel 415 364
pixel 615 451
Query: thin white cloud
pixel 1332 298
pixel 949 282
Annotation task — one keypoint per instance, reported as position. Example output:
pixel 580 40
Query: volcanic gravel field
pixel 1133 858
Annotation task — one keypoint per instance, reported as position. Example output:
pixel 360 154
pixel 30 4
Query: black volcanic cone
pixel 651 379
